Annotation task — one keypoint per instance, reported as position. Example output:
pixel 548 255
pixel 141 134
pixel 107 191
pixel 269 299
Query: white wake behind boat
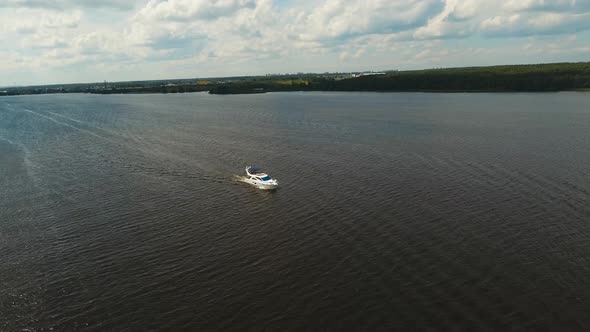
pixel 259 179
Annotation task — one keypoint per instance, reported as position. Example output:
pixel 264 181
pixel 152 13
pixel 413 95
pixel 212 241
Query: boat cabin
pixel 258 173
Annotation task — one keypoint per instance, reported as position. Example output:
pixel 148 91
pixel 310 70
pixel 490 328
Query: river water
pixel 405 211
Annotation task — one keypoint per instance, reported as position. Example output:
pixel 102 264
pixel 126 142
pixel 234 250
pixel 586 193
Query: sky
pixel 68 41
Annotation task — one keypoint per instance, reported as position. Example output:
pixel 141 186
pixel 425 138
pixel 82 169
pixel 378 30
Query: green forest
pixel 533 78
pixel 509 78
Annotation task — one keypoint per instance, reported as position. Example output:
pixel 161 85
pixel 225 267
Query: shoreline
pixel 286 91
pixel 553 77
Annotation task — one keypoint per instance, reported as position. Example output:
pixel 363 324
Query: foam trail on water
pixel 70 126
pixel 65 117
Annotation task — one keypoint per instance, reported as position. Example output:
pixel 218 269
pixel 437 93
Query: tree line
pixel 517 78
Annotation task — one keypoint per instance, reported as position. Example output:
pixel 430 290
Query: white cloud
pixel 337 19
pixel 68 4
pixel 547 5
pixel 145 38
pixel 182 10
pixel 524 24
pixel 31 21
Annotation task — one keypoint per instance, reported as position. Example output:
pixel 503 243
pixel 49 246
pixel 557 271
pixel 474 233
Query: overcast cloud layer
pixel 63 41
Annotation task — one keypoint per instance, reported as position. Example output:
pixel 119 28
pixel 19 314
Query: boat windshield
pixel 266 178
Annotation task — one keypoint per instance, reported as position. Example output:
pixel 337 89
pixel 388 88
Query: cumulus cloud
pixel 337 19
pixel 547 5
pixel 454 21
pixel 67 4
pixel 254 36
pixel 517 25
pixel 459 11
pixel 183 10
pixel 34 21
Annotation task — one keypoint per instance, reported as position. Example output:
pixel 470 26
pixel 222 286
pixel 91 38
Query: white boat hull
pixel 259 185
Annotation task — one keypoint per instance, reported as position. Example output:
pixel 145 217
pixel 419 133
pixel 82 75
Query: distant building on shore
pixel 367 74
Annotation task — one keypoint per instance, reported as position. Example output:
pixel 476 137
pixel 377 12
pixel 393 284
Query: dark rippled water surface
pixel 396 211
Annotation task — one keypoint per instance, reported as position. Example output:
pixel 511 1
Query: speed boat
pixel 259 179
